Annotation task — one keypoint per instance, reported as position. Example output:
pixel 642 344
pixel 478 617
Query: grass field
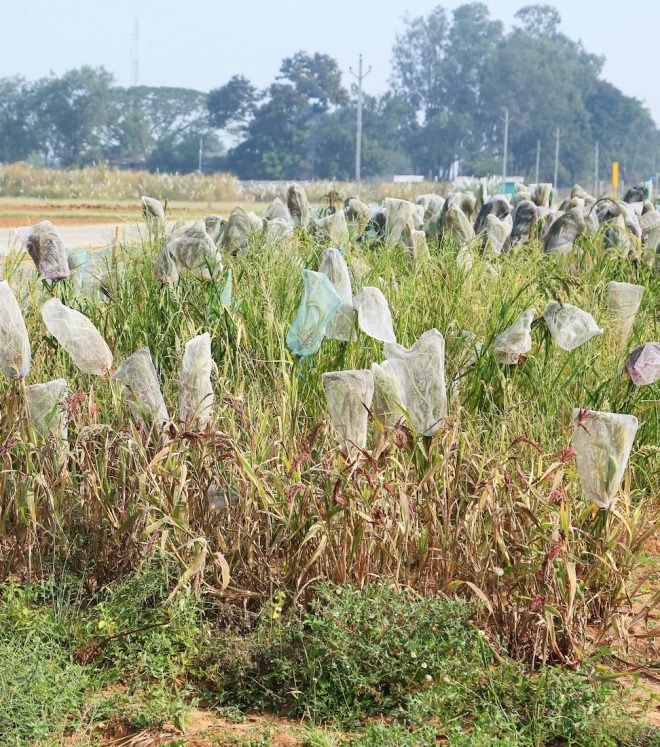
pixel 453 589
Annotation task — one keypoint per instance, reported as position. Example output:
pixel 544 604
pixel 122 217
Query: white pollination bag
pixel 399 216
pixel 334 266
pixel 334 227
pixel 318 307
pixel 275 230
pixel 569 325
pixel 497 232
pixel 241 226
pixel 420 371
pixel 46 247
pixel 153 210
pixel 643 364
pixel 189 248
pixel 141 389
pixel 357 211
pixel 623 301
pixel 195 390
pixel 374 317
pixel 456 226
pixel 78 336
pixel 388 402
pixel 516 341
pixel 415 242
pixel 602 442
pixel 46 410
pixel 277 210
pixel 564 231
pixel 349 395
pixel 215 225
pixel 15 354
pixel 296 200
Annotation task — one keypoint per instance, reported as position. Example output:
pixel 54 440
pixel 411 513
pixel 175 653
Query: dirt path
pixel 88 236
pixel 204 729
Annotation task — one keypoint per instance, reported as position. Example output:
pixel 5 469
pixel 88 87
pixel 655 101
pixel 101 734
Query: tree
pixel 417 57
pixel 439 67
pixel 159 127
pixel 233 102
pixel 316 79
pixel 17 133
pixel 624 130
pixel 276 137
pixel 72 115
pixel 180 153
pixel 274 146
pixel 458 74
pixel 542 80
pixel 331 142
pixel 538 20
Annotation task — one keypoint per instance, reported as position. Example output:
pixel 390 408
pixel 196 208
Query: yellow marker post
pixel 615 178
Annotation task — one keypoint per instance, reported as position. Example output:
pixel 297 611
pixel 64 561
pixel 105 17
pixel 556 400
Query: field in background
pixel 101 184
pixel 17 211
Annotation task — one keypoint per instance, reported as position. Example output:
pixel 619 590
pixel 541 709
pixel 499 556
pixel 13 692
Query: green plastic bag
pixel 318 308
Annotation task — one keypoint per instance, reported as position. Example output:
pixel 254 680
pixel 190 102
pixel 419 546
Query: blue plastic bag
pixel 318 307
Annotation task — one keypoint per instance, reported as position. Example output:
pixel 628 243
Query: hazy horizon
pixel 174 51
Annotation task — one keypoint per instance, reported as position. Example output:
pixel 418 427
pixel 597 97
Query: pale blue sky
pixel 202 43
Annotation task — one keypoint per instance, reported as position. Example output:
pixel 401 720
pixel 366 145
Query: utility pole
pixel 135 53
pixel 506 148
pixel 557 159
pixel 358 138
pixel 596 158
pixel 538 161
pixel 201 153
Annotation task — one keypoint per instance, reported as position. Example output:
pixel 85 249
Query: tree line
pixel 453 77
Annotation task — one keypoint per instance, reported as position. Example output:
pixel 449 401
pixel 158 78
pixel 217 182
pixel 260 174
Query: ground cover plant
pixel 257 510
pixel 118 667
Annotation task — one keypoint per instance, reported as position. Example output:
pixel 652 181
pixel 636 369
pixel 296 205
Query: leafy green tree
pixel 72 115
pixel 624 130
pixel 234 102
pixel 276 137
pixel 17 134
pixel 439 68
pixel 177 153
pixel 316 79
pixel 159 127
pixel 542 80
pixel 332 141
pixel 538 20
